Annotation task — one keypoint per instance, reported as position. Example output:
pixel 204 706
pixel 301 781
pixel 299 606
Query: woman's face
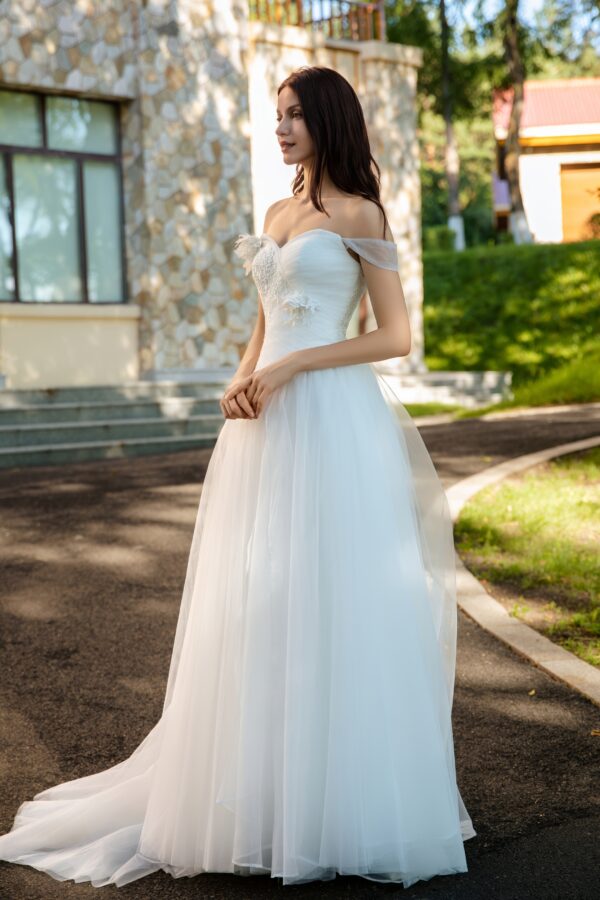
pixel 295 141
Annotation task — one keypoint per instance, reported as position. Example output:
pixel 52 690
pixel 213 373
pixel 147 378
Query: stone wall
pixel 193 105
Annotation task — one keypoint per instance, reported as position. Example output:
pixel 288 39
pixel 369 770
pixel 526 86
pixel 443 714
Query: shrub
pixel 528 308
pixel 438 237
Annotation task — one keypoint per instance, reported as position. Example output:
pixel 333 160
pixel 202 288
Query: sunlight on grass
pixel 538 536
pixel 530 308
pixel 430 409
pixel 575 382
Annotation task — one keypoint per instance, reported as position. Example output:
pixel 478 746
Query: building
pixel 559 167
pixel 136 141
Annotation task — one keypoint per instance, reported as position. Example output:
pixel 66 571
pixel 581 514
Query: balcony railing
pixel 342 19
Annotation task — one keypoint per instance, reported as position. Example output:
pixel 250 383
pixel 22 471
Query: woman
pixel 306 727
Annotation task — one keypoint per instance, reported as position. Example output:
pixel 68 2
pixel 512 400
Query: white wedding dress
pixel 306 727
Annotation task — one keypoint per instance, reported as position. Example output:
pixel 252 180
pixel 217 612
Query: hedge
pixel 528 308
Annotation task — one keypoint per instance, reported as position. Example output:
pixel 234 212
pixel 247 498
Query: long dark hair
pixel 336 123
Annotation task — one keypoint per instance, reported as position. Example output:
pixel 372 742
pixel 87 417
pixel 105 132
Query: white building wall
pixel 540 188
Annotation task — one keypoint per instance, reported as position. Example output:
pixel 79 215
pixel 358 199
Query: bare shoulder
pixel 274 210
pixel 365 219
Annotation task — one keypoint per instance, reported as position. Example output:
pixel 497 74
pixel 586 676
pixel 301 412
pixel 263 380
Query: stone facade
pixel 184 73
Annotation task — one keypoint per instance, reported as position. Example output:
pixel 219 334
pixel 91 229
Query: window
pixel 61 210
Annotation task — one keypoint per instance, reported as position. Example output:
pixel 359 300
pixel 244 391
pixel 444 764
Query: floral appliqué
pixel 274 288
pixel 246 247
pixel 298 304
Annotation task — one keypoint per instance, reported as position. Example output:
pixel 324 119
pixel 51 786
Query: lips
pixel 285 146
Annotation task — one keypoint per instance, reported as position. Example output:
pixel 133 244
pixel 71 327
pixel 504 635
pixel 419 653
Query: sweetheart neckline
pixel 293 238
pixel 324 231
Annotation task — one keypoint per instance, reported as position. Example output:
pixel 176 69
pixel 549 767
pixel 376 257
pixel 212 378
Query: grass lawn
pixel 430 409
pixel 577 381
pixel 534 541
pixel 532 309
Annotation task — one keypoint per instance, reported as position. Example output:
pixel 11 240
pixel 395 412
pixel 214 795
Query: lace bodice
pixel 310 286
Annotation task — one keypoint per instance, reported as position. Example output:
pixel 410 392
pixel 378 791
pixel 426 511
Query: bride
pixel 306 726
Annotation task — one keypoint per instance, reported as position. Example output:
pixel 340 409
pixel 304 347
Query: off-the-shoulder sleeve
pixel 375 250
pixel 246 247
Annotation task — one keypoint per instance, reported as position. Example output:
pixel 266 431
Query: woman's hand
pixel 234 402
pixel 260 384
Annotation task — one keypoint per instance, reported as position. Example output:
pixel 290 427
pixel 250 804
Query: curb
pixel 474 600
pixel 434 419
pixel 539 410
pixel 447 418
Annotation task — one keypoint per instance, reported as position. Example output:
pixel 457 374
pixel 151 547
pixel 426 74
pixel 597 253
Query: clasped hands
pixel 245 397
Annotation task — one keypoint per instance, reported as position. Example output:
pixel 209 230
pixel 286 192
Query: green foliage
pixel 564 39
pixel 529 309
pixel 438 237
pixel 578 381
pixel 430 409
pixel 473 63
pixel 559 41
pixel 475 143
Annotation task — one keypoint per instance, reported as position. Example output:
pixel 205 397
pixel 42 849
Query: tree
pixel 455 220
pixel 516 69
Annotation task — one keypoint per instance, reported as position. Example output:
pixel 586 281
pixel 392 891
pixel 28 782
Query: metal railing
pixel 353 20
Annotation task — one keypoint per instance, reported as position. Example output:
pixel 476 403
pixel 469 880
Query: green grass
pixel 537 536
pixel 530 309
pixel 431 409
pixel 577 381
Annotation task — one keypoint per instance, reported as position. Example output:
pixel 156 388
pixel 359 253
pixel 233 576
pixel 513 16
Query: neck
pixel 328 189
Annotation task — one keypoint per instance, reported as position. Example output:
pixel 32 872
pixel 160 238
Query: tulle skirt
pixel 306 726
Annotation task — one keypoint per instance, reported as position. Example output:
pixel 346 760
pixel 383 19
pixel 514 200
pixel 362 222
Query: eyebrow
pixel 293 106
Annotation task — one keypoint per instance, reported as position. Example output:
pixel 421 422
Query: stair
pixel 468 388
pixel 62 425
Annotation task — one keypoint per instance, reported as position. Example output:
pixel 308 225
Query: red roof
pixel 563 101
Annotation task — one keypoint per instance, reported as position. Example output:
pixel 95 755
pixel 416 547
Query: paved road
pixel 93 560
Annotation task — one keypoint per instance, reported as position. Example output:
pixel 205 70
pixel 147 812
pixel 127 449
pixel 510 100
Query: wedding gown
pixel 306 726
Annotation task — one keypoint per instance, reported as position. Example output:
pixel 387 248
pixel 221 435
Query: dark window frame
pixel 8 151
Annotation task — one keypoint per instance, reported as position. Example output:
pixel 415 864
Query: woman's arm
pixel 392 336
pixel 234 402
pixel 253 348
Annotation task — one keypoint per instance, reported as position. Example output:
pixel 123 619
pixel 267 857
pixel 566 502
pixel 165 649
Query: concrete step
pixel 138 390
pixel 470 389
pixel 51 412
pixel 44 434
pixel 57 454
pixel 73 424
